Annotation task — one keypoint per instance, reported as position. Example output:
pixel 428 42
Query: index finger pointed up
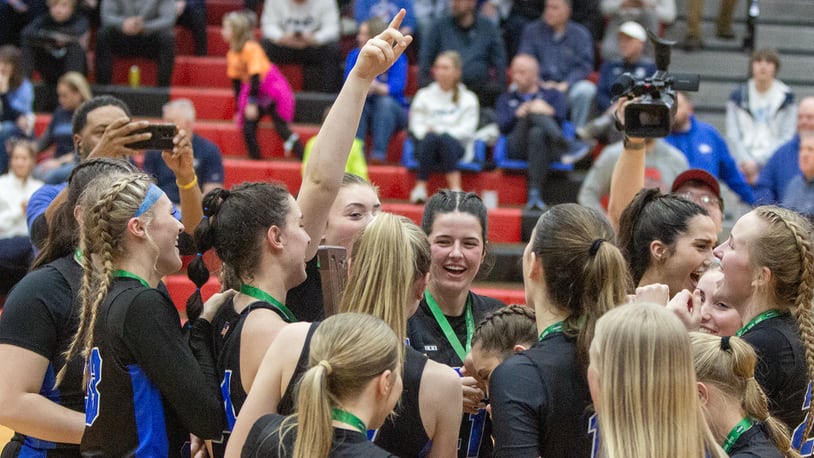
pixel 395 23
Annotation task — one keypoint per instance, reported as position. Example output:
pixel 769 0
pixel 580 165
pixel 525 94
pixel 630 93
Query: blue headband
pixel 153 194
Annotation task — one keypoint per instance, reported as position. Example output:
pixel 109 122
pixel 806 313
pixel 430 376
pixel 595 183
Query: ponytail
pixel 728 363
pixel 315 432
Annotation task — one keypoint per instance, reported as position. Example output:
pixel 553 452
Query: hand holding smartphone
pixel 162 135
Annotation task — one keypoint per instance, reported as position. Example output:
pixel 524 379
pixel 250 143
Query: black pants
pixel 194 19
pixel 437 153
pixel 321 64
pixel 250 129
pixel 538 139
pixel 159 46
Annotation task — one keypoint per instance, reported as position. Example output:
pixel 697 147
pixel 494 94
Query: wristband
pixel 189 185
pixel 633 145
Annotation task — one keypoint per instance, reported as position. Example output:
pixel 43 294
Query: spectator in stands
pixel 72 91
pixel 799 195
pixel 385 110
pixel 706 149
pixel 565 51
pixel 663 163
pixel 384 10
pixel 443 120
pixel 260 88
pixel 651 14
pixel 16 101
pixel 427 12
pixel 479 44
pixel 698 186
pixel 15 15
pixel 101 128
pixel 631 42
pixel 759 114
pixel 192 15
pixel 16 187
pixel 136 28
pixel 782 166
pixel 56 42
pixel 723 25
pixel 208 162
pixel 531 117
pixel 305 32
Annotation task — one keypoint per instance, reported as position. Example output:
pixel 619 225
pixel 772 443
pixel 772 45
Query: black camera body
pixel 652 115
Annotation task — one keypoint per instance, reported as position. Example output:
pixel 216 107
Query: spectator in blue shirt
pixel 771 184
pixel 565 50
pixel 799 194
pixel 385 110
pixel 477 41
pixel 384 10
pixel 208 162
pixel 706 149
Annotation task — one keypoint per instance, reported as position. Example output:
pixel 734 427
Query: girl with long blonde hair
pixel 352 384
pixel 643 387
pixel 734 405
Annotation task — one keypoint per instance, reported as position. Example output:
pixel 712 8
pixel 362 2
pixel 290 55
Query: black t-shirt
pixel 755 443
pixel 263 441
pixel 41 315
pixel 305 300
pixel 781 370
pixel 541 402
pixel 426 336
pixel 404 434
pixel 148 388
pixel 227 327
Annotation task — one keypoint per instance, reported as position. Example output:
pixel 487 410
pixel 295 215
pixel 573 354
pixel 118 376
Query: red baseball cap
pixel 698 175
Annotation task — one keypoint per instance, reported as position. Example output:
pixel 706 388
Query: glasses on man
pixel 703 199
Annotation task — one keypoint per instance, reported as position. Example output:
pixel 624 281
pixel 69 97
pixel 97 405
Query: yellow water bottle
pixel 135 76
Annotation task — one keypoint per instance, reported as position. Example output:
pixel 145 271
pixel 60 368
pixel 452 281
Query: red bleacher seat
pixel 201 72
pixel 230 140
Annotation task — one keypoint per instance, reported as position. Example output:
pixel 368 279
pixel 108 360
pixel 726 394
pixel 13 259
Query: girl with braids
pixel 381 284
pixel 733 403
pixel 666 239
pixel 147 387
pixel 38 321
pixel 644 388
pixel 456 225
pixel 352 384
pixel 768 268
pixel 502 333
pixel 263 234
pixel 572 276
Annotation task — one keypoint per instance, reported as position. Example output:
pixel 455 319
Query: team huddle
pixel 640 336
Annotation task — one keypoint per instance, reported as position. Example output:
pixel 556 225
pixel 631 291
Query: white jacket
pixel 13 192
pixel 432 109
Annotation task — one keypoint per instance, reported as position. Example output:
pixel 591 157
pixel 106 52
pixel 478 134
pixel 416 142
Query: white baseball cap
pixel 633 30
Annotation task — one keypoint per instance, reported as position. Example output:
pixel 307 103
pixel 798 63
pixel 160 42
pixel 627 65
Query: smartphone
pixel 161 139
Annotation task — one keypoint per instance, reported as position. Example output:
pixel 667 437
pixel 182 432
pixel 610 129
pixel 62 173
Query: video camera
pixel 652 115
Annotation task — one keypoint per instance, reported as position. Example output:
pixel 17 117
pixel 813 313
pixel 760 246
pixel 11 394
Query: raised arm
pixel 628 174
pixel 180 160
pixel 326 164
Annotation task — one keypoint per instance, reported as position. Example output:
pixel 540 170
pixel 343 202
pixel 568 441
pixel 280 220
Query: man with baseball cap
pixel 699 186
pixel 632 39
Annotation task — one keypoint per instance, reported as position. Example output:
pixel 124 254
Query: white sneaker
pixel 418 195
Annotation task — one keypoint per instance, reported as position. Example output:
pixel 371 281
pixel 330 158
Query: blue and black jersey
pixel 41 315
pixel 426 336
pixel 755 443
pixel 227 327
pixel 148 386
pixel 541 402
